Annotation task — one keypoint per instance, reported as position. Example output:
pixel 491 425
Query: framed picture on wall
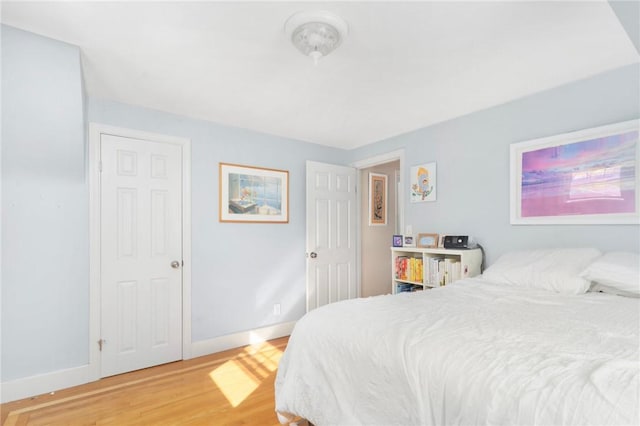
pixel 253 194
pixel 423 183
pixel 584 177
pixel 377 199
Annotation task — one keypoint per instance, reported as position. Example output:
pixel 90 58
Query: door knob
pixel 313 255
pixel 175 264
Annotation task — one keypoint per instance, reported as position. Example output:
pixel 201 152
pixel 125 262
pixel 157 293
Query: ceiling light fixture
pixel 316 34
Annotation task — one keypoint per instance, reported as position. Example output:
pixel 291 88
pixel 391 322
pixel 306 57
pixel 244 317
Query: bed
pixel 527 343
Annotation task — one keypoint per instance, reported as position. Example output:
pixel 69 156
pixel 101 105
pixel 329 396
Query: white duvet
pixel 471 353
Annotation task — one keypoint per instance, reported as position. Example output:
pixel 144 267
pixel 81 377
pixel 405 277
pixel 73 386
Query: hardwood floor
pixel 234 387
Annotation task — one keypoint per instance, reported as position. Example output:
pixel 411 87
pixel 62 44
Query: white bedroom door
pixel 141 253
pixel 331 234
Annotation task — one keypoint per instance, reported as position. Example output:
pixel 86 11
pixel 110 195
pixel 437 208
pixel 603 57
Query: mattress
pixel 473 352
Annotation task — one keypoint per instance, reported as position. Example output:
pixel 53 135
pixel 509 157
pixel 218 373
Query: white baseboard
pixel 44 383
pixel 230 341
pixel 61 379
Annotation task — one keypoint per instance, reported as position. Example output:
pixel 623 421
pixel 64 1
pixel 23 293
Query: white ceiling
pixel 404 65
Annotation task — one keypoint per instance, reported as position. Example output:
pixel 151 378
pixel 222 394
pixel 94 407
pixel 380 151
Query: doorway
pixel 374 256
pixel 376 239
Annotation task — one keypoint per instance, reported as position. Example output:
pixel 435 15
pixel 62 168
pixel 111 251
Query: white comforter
pixel 470 353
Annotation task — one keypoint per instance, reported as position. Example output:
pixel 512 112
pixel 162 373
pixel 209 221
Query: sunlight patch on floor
pixel 234 381
pixel 240 376
pixel 266 354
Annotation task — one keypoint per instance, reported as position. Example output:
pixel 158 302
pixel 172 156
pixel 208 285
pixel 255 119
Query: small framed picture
pixel 408 241
pixel 441 241
pixel 377 199
pixel 427 240
pixel 397 240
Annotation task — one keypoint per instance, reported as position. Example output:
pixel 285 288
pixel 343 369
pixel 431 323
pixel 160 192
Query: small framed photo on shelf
pixel 427 240
pixel 441 241
pixel 409 241
pixel 397 241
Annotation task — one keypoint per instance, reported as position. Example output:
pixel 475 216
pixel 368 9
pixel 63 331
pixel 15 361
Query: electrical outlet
pixel 276 309
pixel 409 230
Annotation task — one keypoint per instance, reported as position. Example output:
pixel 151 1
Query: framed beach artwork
pixel 584 177
pixel 377 199
pixel 253 194
pixel 423 183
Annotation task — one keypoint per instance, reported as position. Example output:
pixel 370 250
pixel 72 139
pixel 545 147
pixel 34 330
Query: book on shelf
pixel 432 270
pixel 441 271
pixel 407 287
pixel 409 268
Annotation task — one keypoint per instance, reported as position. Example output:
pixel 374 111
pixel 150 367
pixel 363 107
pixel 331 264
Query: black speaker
pixel 458 242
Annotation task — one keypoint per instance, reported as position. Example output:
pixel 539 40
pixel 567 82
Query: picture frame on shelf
pixel 427 241
pixel 253 194
pixel 408 241
pixel 585 177
pixel 441 241
pixel 397 241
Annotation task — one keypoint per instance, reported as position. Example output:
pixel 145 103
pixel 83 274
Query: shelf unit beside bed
pixel 420 268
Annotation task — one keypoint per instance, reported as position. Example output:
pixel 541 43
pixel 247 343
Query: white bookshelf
pixel 469 263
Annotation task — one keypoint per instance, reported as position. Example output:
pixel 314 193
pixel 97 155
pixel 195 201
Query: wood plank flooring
pixel 234 387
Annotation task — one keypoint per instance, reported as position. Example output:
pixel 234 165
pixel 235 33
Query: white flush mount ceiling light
pixel 316 34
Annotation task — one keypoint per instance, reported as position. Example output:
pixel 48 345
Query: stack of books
pixel 406 287
pixel 409 268
pixel 442 270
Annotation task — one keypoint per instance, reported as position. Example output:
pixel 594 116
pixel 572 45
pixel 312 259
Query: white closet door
pixel 141 253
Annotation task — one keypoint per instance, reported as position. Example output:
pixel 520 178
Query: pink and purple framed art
pixel 584 177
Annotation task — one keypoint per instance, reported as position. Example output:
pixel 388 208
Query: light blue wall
pixel 239 270
pixel 472 155
pixel 45 237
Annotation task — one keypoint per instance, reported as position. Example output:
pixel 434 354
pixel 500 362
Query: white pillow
pixel 556 270
pixel 615 272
